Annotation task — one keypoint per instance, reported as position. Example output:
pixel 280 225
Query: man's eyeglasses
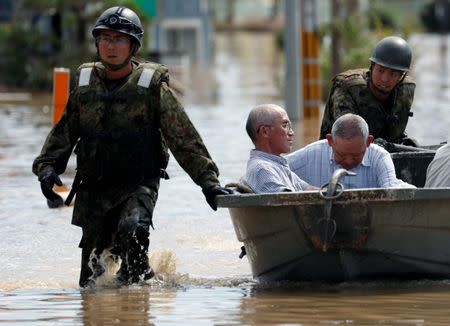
pixel 119 40
pixel 285 125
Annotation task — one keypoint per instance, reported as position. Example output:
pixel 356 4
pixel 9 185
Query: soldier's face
pixel 113 47
pixel 348 152
pixel 384 79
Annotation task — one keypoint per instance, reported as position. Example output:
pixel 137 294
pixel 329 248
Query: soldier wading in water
pixel 121 117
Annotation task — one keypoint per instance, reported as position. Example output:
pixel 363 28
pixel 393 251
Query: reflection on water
pixel 118 306
pixel 386 303
pixel 200 280
pixel 372 303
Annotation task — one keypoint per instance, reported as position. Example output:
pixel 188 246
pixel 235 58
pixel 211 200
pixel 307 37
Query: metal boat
pixel 340 234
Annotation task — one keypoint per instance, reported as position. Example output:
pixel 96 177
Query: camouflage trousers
pixel 123 232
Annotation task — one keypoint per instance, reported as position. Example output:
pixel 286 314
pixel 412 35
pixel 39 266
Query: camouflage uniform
pixel 119 136
pixel 350 94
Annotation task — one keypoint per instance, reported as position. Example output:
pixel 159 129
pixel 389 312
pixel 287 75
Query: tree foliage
pixel 359 32
pixel 31 54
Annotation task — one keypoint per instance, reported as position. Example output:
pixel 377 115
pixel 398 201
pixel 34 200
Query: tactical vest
pixel 120 136
pixel 389 124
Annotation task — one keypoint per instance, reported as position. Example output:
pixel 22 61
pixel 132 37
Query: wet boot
pixel 130 274
pixel 135 267
pixel 91 267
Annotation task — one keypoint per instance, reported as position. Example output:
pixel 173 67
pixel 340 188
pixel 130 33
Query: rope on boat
pixel 327 225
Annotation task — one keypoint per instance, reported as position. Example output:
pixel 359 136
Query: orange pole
pixel 61 79
pixel 306 73
pixel 316 71
pixel 311 69
pixel 311 74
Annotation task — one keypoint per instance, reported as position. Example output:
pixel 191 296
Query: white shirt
pixel 270 173
pixel 438 172
pixel 315 165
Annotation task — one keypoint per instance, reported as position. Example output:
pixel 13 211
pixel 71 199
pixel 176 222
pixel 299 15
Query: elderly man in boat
pixel 438 172
pixel 269 128
pixel 349 146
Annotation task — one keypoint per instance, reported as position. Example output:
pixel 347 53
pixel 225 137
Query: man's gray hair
pixel 260 115
pixel 349 126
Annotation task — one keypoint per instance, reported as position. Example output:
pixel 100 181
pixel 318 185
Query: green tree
pixel 30 56
pixel 360 31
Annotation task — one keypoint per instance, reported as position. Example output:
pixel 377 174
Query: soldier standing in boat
pixel 121 118
pixel 382 94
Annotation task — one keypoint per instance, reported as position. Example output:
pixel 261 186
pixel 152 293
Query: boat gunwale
pixel 348 195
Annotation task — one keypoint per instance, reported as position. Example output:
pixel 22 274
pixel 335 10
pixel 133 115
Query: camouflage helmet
pixel 120 19
pixel 392 52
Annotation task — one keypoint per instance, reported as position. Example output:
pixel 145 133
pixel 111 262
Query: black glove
pixel 381 142
pixel 211 193
pixel 409 142
pixel 390 147
pixel 48 180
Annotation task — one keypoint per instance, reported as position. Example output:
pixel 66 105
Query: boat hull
pixel 377 233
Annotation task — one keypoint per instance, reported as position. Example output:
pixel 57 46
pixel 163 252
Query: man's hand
pixel 48 180
pixel 211 193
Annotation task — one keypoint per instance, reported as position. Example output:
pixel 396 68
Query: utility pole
pixel 292 42
pixel 336 40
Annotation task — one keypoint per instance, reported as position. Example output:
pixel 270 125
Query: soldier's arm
pixel 339 103
pixel 342 103
pixel 184 141
pixel 59 143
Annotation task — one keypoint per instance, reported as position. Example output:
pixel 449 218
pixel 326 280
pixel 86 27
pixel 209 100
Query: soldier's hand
pixel 211 193
pixel 48 180
pixel 381 142
pixel 409 142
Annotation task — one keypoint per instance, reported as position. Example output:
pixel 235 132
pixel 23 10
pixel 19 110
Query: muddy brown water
pixel 194 250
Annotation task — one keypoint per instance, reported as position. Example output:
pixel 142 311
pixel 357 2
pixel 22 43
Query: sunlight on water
pixel 164 262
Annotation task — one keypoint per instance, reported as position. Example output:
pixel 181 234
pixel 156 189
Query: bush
pixel 23 60
pixel 381 17
pixel 14 55
pixel 27 60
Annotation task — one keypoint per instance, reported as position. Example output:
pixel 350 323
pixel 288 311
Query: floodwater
pixel 200 279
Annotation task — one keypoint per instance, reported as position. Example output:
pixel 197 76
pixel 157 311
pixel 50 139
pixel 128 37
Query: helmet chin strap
pixel 116 67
